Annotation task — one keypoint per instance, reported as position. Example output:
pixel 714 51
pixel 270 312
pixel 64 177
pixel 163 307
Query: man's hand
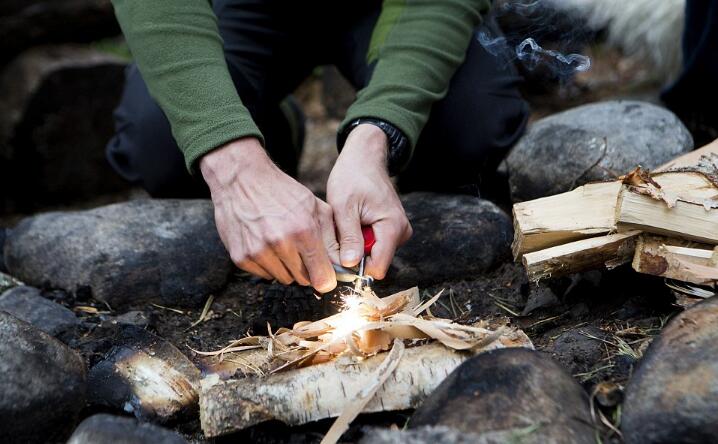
pixel 271 225
pixel 360 193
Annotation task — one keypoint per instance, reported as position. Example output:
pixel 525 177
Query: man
pixel 432 105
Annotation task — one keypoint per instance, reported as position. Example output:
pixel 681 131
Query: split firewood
pixel 317 369
pixel 693 158
pixel 681 200
pixel 607 252
pixel 685 219
pixel 585 212
pixel 677 259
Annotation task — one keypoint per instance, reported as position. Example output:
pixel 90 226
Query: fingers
pixel 255 269
pixel 328 231
pixel 389 234
pixel 351 242
pixel 268 260
pixel 287 252
pixel 321 272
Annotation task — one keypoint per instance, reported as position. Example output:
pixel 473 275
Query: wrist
pixel 368 142
pixel 231 159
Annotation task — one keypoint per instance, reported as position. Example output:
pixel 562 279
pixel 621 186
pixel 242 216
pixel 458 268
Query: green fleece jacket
pixel 417 46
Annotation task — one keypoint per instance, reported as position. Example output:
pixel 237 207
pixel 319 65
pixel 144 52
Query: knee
pixel 142 149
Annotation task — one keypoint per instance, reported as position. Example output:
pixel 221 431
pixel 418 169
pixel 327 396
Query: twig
pixel 205 310
pixel 168 308
pixel 501 305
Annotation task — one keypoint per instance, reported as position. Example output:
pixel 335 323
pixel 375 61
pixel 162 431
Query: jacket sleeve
pixel 178 50
pixel 417 46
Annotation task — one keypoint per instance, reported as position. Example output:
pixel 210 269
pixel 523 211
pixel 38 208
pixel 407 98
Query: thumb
pixel 351 242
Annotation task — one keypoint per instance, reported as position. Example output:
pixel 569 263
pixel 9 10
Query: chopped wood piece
pixel 584 212
pixel 308 394
pixel 691 159
pixel 598 252
pixel 676 259
pixel 686 220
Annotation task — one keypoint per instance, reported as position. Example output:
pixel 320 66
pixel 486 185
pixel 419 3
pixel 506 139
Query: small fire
pixel 351 318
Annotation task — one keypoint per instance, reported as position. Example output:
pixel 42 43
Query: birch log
pixel 322 391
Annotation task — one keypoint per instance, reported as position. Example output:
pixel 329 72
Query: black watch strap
pixel 399 151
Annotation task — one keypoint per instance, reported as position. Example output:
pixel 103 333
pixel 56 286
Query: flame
pixel 351 318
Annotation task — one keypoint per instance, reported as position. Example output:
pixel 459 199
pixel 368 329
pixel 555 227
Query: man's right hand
pixel 271 225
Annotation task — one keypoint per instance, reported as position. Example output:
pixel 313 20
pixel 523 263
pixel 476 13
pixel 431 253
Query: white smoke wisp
pixel 649 30
pixel 532 54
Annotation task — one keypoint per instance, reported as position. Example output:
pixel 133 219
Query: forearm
pixel 178 50
pixel 417 49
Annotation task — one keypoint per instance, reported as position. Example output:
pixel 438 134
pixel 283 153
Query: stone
pixel 455 237
pixel 28 23
pixel 57 107
pixel 443 435
pixel 144 375
pixel 593 142
pixel 103 428
pixel 26 303
pixel 141 251
pixel 3 235
pixel 510 393
pixel 577 349
pixel 7 282
pixel 673 395
pixel 42 386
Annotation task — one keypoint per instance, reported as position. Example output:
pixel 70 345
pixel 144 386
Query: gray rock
pixel 27 304
pixel 144 375
pixel 455 237
pixel 7 282
pixel 56 119
pixel 3 235
pixel 673 395
pixel 591 143
pixel 42 385
pixel 104 428
pixel 510 393
pixel 164 251
pixel 27 23
pixel 430 435
pixel 577 349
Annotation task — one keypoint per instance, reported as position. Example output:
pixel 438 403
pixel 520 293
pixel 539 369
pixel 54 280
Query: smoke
pixel 524 24
pixel 532 54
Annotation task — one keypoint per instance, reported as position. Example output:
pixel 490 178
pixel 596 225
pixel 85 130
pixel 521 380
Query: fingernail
pixel 350 256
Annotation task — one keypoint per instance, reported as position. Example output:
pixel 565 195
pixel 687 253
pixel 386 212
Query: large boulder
pixel 27 23
pixel 455 237
pixel 591 143
pixel 56 107
pixel 103 428
pixel 27 303
pixel 673 395
pixel 164 251
pixel 507 394
pixel 42 388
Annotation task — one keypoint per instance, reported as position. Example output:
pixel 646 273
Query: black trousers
pixel 270 50
pixel 694 95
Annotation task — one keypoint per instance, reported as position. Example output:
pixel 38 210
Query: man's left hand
pixel 361 193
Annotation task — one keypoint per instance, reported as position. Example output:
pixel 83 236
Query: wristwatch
pixel 399 151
